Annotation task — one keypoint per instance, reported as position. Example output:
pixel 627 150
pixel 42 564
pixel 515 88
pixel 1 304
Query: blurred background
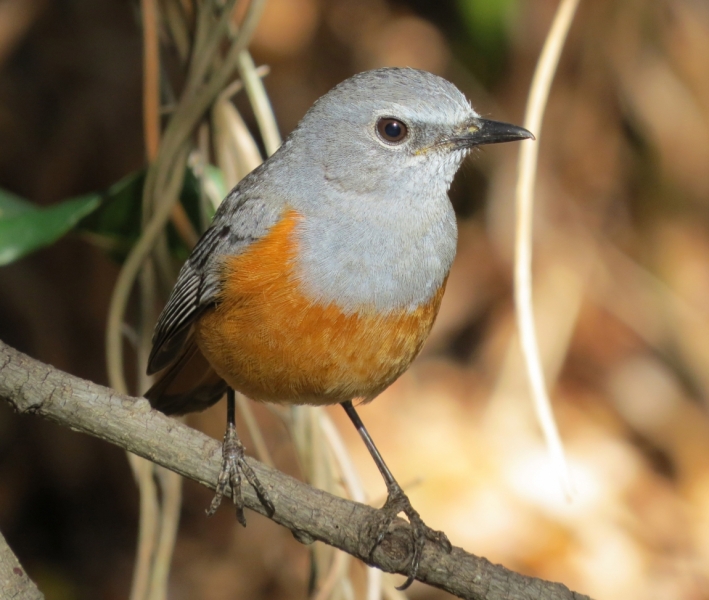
pixel 621 275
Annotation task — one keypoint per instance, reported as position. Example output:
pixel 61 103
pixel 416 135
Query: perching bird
pixel 323 270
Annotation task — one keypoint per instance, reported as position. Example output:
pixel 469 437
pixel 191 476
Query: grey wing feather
pixel 241 219
pixel 187 301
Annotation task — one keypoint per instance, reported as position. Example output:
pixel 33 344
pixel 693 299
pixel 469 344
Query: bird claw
pixel 397 502
pixel 233 466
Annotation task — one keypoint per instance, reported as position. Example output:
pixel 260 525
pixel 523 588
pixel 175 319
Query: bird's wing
pixel 188 384
pixel 242 218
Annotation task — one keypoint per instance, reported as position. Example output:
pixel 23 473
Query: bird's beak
pixel 483 131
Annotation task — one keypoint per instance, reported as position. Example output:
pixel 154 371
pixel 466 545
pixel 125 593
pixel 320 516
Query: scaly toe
pixel 397 502
pixel 233 466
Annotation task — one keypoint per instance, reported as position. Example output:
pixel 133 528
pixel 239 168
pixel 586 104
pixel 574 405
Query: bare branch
pixel 35 388
pixel 14 582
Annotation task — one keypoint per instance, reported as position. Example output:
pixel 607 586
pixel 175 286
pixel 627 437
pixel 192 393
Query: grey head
pixel 369 167
pixel 351 131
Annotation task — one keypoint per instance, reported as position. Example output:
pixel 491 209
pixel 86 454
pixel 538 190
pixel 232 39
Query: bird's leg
pixel 233 465
pixel 397 501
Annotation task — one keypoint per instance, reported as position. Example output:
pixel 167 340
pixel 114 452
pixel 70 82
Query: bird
pixel 322 271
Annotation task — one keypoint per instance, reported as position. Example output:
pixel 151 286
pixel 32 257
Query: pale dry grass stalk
pixel 259 101
pixel 376 584
pixel 148 525
pixel 322 452
pixel 167 159
pixel 252 426
pixel 345 465
pixel 337 572
pixel 143 471
pixel 164 179
pixel 536 104
pixel 171 493
pixel 237 154
pixel 235 149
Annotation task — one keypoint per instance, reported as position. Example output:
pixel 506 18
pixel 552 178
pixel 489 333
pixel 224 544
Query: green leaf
pixel 11 205
pixel 115 225
pixel 111 220
pixel 25 228
pixel 215 178
pixel 486 23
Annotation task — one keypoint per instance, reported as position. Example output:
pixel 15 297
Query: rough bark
pixel 14 582
pixel 32 387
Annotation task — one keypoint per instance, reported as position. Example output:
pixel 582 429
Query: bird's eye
pixel 392 130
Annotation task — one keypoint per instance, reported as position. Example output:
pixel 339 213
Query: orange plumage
pixel 272 343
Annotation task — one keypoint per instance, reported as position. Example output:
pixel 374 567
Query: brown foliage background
pixel 621 288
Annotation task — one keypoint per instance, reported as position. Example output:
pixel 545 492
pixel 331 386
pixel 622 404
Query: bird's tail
pixel 189 384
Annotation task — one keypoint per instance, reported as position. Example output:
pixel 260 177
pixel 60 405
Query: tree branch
pixel 14 582
pixel 35 388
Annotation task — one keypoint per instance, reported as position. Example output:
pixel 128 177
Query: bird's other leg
pixel 233 466
pixel 397 502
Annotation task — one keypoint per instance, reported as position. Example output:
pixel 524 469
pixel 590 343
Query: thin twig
pixel 207 41
pixel 221 77
pixel 142 469
pixel 151 78
pixel 165 177
pixel 536 103
pixel 127 276
pixel 237 85
pixel 175 18
pixel 183 225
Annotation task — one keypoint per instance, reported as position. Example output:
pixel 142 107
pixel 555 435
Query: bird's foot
pixel 397 502
pixel 233 466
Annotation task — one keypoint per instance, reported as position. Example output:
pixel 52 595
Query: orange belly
pixel 270 342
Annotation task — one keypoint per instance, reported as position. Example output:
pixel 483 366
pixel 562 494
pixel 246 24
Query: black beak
pixel 484 131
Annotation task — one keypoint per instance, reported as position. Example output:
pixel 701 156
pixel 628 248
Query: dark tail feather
pixel 189 384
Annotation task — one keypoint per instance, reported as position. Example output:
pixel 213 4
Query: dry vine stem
pixel 197 38
pixel 167 155
pixel 236 155
pixel 32 387
pixel 538 94
pixel 156 534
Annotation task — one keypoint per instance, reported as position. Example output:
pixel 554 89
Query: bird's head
pixel 396 130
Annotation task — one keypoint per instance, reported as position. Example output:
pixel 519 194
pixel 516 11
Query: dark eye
pixel 392 130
